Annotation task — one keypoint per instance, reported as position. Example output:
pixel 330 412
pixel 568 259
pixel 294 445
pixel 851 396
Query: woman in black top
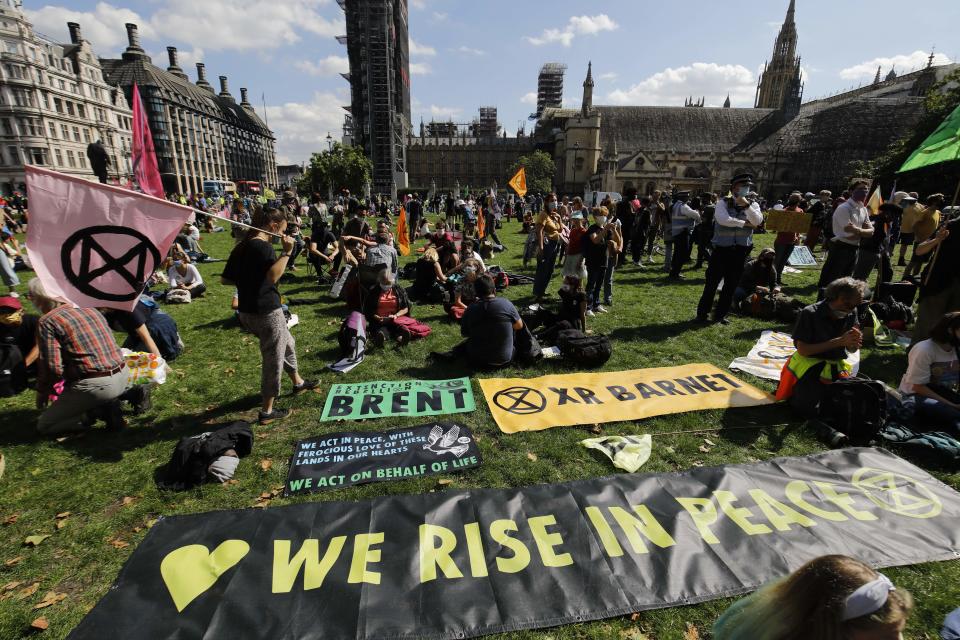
pixel 254 269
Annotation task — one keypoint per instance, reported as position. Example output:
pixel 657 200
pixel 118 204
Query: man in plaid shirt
pixel 76 346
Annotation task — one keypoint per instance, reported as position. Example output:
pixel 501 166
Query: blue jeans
pixel 545 264
pixel 608 280
pixel 595 276
pixel 7 274
pixel 933 415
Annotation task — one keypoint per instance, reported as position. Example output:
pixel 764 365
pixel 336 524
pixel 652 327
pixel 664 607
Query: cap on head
pixel 743 177
pixel 9 302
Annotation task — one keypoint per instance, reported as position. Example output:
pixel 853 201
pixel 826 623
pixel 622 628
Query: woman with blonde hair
pixel 829 598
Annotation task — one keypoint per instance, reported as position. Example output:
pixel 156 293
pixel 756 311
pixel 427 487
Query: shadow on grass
pixel 108 446
pixel 745 426
pixel 655 332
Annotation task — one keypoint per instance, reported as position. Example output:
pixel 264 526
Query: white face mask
pixel 386 287
pixel 601 220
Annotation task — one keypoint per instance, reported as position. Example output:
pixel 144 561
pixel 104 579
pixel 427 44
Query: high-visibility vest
pixel 730 236
pixel 797 366
pixel 679 222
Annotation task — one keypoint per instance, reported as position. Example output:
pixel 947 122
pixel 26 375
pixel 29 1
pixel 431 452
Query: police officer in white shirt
pixel 851 222
pixel 735 219
pixel 682 220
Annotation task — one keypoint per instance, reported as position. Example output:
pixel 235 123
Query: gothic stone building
pixel 785 143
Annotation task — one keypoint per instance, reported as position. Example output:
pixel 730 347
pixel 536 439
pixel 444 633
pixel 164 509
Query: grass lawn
pixel 105 480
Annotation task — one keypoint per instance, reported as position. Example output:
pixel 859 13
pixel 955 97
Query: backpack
pixel 13 372
pixel 526 347
pixel 584 350
pixel 191 458
pixel 855 407
pixel 412 328
pixel 178 296
pixel 352 335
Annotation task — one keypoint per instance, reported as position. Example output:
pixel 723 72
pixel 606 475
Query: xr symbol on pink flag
pixel 142 256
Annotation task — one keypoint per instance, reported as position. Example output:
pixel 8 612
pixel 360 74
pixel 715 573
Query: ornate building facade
pixel 785 144
pixel 198 134
pixel 54 101
pixel 462 159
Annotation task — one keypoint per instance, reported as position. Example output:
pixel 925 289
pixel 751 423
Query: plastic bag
pixel 144 368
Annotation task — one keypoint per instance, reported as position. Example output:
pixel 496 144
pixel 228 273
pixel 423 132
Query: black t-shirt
pixel 129 321
pixel 24 335
pixel 816 324
pixel 356 227
pixel 247 267
pixel 323 238
pixel 570 303
pixel 594 255
pixel 488 327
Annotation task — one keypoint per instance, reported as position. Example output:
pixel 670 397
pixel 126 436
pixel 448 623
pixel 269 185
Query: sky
pixel 468 53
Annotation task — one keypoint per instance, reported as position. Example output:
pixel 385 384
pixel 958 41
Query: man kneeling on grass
pixel 825 333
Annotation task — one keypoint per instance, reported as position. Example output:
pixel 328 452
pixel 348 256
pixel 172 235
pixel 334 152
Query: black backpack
pixel 583 350
pixel 193 455
pixel 855 407
pixel 13 371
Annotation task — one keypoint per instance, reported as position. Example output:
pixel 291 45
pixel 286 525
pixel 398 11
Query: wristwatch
pixel 285 255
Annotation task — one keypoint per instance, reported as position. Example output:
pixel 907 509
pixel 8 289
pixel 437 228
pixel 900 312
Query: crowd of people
pixel 351 247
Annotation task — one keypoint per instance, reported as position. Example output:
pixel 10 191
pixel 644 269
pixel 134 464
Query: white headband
pixel 869 598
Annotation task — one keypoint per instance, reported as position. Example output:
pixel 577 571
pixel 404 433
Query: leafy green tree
pixel 540 170
pixel 339 168
pixel 943 98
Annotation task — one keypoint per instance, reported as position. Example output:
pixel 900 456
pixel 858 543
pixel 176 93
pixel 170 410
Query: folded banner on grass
pixel 343 459
pixel 533 404
pixel 460 564
pixel 771 352
pixel 402 398
pixel 93 244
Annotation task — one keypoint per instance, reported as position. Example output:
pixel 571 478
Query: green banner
pixel 942 145
pixel 402 398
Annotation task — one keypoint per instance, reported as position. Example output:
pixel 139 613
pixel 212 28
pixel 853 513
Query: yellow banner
pixel 534 404
pixel 788 221
pixel 519 182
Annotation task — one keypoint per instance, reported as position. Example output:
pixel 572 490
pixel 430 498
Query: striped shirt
pixel 75 343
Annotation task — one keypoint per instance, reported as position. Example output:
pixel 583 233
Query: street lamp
pixel 776 161
pixel 329 142
pixel 576 157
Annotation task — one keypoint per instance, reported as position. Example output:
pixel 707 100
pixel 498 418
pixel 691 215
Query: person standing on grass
pixel 926 225
pixel 940 280
pixel 614 249
pixel 851 223
pixel 548 229
pixel 735 219
pixel 683 219
pixel 254 268
pixel 595 257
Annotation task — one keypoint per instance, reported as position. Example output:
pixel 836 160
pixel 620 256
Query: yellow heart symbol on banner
pixel 191 570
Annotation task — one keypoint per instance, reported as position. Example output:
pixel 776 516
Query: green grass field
pixel 105 480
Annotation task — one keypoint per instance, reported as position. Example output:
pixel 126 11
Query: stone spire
pixel 876 78
pixel 726 103
pixel 780 82
pixel 892 75
pixel 588 91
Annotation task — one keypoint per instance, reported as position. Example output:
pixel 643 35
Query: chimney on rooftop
pixel 202 77
pixel 243 97
pixel 224 92
pixel 75 36
pixel 133 37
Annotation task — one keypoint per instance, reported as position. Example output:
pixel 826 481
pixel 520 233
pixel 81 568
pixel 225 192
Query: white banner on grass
pixel 773 349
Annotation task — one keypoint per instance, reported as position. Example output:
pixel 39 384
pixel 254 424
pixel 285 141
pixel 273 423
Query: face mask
pixel 178 263
pixel 551 206
pixel 469 270
pixel 12 319
pixel 840 314
pixel 743 192
pixel 386 287
pixel 601 220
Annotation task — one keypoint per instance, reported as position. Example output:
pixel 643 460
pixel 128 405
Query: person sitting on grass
pixel 489 325
pixel 182 274
pixel 829 598
pixel 428 278
pixel 930 383
pixel 824 334
pixel 388 302
pixel 464 293
pixel 759 276
pixel 573 303
pixel 19 328
pixel 254 269
pixel 322 247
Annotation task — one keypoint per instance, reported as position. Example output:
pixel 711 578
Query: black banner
pixel 357 457
pixel 465 563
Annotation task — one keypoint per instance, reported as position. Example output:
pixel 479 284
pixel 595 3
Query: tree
pixel 339 168
pixel 940 102
pixel 540 171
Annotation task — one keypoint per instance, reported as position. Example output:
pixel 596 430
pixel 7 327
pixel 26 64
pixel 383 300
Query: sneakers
pixel 702 320
pixel 113 416
pixel 139 398
pixel 264 418
pixel 306 385
pixel 600 309
pixel 724 321
pixel 590 313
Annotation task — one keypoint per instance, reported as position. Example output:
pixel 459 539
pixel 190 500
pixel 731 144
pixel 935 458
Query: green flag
pixel 942 145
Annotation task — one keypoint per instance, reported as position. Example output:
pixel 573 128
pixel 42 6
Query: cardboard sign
pixel 460 564
pixel 520 404
pixel 343 459
pixel 404 398
pixel 788 221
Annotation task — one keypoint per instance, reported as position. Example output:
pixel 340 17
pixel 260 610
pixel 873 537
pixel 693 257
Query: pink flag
pixel 144 157
pixel 93 244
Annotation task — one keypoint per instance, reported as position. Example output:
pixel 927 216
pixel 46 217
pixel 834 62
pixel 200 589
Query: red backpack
pixel 411 327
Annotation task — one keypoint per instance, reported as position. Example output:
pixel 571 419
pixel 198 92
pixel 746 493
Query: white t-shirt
pixel 192 276
pixel 929 363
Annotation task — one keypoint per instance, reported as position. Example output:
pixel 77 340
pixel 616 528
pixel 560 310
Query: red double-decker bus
pixel 248 187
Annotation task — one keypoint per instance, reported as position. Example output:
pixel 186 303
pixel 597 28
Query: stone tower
pixel 780 83
pixel 587 92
